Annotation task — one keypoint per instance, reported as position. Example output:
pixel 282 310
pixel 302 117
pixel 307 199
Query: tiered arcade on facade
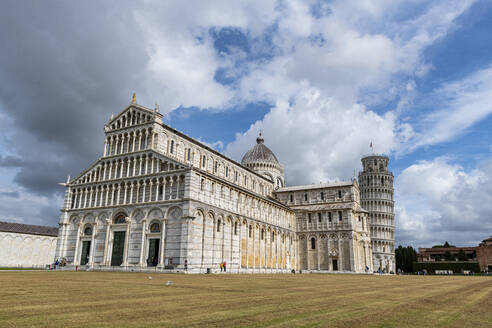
pixel 158 199
pixel 376 184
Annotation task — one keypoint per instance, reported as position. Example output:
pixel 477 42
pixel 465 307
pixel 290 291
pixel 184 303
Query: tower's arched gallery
pixel 158 199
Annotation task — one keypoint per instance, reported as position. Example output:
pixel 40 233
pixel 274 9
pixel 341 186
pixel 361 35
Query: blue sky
pixel 321 79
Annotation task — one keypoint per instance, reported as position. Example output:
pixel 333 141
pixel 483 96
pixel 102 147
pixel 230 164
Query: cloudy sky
pixel 321 79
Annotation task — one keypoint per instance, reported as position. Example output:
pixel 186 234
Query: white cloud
pixel 438 201
pixel 329 69
pixel 182 58
pixel 459 105
pixel 318 139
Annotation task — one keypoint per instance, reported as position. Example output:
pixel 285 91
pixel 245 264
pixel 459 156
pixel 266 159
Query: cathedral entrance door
pixel 153 257
pixel 335 265
pixel 118 248
pixel 84 256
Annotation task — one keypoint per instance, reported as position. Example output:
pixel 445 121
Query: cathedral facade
pixel 160 200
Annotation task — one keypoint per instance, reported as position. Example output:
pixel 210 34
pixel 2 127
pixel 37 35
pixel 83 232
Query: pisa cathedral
pixel 158 199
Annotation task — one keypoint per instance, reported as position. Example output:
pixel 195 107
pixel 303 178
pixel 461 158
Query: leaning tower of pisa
pixel 376 193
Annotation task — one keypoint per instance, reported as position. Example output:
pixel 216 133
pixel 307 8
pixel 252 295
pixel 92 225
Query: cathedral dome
pixel 259 154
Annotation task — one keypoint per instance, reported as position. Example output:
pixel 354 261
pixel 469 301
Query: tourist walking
pixel 225 266
pixel 221 266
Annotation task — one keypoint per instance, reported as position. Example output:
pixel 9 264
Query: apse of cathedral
pixel 159 200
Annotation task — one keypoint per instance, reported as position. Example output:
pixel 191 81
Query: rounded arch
pixel 74 219
pixel 199 213
pixel 89 218
pixel 155 213
pixel 174 212
pixel 120 217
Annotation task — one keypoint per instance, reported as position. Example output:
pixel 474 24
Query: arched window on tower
pixel 313 243
pixel 218 225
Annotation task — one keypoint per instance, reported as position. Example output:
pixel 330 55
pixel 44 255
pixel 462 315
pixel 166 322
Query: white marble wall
pixel 23 250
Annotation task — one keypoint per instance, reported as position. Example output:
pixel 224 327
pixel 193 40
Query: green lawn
pixel 98 299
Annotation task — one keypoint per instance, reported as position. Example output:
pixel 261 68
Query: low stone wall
pixel 20 250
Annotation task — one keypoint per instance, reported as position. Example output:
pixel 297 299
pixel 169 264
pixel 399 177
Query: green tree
pixel 448 256
pixel 405 256
pixel 462 256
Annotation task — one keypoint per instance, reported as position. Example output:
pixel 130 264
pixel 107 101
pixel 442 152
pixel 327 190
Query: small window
pixel 204 161
pixel 319 217
pixel 359 218
pixel 262 234
pixel 273 236
pixel 161 190
pixel 188 155
pixel 155 227
pixel 339 215
pixel 313 243
pixel 305 197
pixel 235 228
pixel 213 188
pixel 291 198
pixel 329 216
pixel 218 226
pixel 322 195
pixel 88 231
pixel 202 185
pixel 339 194
pixel 235 176
pixel 227 172
pixel 309 217
pixel 382 181
pixel 171 150
pixel 250 231
pixel 216 167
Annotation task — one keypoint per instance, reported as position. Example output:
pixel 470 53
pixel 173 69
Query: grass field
pixel 99 299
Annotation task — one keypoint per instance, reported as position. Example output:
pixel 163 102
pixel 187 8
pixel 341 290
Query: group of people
pixel 223 266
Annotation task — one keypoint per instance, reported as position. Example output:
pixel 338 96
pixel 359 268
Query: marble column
pixel 127 240
pixel 143 244
pixel 106 242
pixel 93 246
pixel 76 257
pixel 163 244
